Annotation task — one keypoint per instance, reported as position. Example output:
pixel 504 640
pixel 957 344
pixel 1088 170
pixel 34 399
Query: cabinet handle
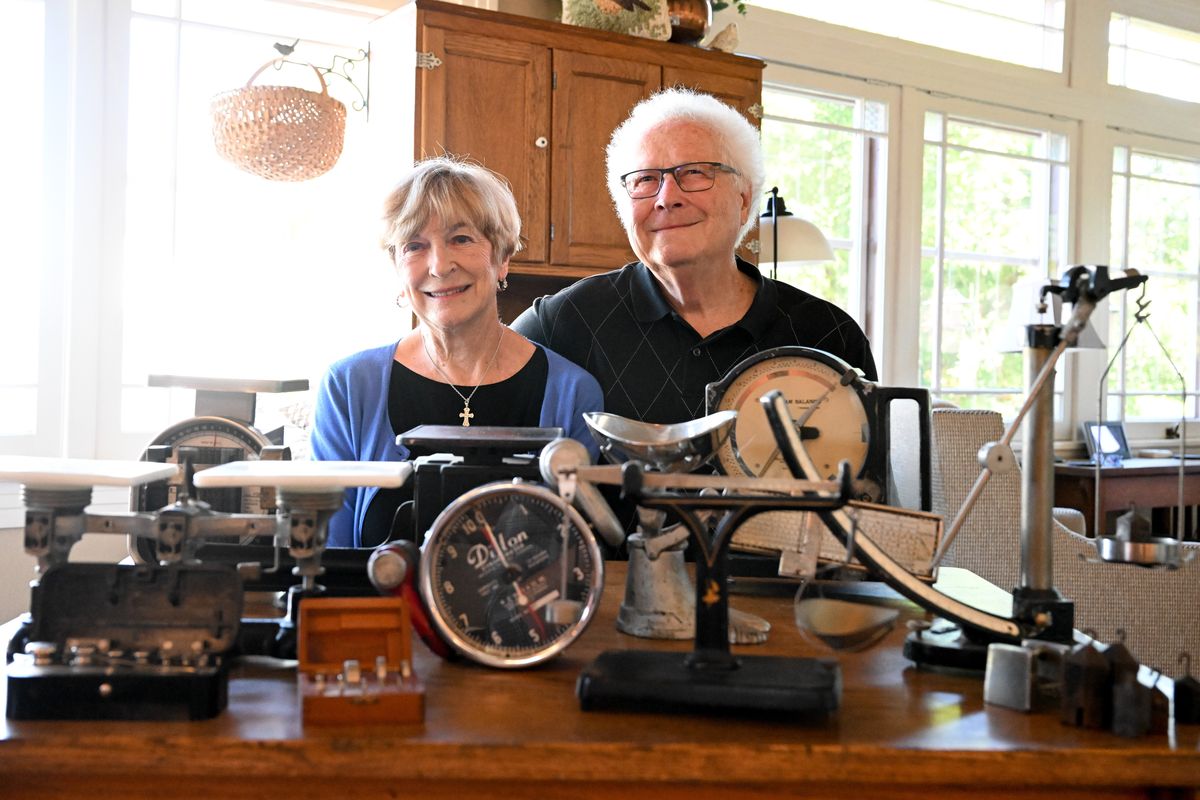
pixel 541 141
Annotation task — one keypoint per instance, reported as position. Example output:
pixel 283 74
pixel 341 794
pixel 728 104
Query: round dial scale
pixel 824 397
pixel 511 574
pixel 216 439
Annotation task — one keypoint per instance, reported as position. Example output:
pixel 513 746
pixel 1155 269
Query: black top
pixel 416 400
pixel 652 365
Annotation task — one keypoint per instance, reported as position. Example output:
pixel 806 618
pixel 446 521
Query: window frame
pixel 81 329
pixel 871 278
pixel 964 110
pixel 1145 429
pixel 1079 96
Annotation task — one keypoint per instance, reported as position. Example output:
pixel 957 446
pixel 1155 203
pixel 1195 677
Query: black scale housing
pixel 135 608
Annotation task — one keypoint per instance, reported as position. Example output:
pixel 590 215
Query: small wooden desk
pixel 900 733
pixel 1151 483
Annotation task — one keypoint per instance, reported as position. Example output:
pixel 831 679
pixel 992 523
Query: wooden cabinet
pixel 490 100
pixel 535 101
pixel 593 94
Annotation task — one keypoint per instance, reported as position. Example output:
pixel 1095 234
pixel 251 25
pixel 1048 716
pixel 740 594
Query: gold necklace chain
pixel 466 415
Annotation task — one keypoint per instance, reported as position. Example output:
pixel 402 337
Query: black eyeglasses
pixel 695 176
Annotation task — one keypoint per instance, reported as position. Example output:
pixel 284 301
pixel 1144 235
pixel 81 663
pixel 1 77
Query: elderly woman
pixel 450 229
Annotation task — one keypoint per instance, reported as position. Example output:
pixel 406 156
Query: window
pixel 826 153
pixel 1154 58
pixel 1156 230
pixel 22 39
pixel 993 224
pixel 223 272
pixel 1025 32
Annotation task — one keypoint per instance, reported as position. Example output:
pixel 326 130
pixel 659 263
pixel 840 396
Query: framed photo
pixel 1107 439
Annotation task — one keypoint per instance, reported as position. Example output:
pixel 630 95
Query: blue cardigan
pixel 351 422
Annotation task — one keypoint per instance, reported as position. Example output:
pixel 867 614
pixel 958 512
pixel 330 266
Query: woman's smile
pixel 447 292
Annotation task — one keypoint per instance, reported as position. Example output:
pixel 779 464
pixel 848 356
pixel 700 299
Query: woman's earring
pixel 401 300
pixel 502 284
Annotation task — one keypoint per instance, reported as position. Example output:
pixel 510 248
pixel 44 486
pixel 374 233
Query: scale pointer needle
pixel 799 425
pixel 522 598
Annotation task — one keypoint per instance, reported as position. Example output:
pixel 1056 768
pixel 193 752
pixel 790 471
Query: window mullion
pixel 102 393
pixel 939 267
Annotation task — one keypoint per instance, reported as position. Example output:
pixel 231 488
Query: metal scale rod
pixel 1037 476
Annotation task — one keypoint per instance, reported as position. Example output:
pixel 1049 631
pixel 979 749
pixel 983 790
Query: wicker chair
pixel 1156 608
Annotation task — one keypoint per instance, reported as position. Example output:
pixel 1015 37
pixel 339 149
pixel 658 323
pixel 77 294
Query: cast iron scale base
pixel 711 678
pixel 657 681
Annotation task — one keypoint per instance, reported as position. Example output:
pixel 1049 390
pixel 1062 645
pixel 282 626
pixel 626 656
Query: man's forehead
pixel 684 140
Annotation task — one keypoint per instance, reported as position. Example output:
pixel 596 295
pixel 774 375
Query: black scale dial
pixel 511 573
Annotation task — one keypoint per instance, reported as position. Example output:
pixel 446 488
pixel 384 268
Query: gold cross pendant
pixel 466 416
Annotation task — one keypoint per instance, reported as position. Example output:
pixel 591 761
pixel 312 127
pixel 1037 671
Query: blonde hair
pixel 735 137
pixel 454 190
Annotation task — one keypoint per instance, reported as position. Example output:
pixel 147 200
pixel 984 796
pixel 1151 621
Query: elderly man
pixel 685 173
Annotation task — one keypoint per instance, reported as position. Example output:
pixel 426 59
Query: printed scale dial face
pixel 829 415
pixel 511 574
pixel 217 441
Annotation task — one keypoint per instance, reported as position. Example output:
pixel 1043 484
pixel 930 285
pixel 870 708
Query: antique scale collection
pixel 509 574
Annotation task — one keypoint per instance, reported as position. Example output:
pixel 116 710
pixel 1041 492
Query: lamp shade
pixel 799 240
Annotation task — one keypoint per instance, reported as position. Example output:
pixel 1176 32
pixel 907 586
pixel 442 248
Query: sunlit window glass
pixel 1154 58
pixel 1156 230
pixel 992 229
pixel 22 34
pixel 227 274
pixel 824 153
pixel 1025 32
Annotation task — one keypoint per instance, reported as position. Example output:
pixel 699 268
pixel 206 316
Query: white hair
pixel 735 136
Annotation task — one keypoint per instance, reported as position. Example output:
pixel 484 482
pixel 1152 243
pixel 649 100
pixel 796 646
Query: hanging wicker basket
pixel 281 133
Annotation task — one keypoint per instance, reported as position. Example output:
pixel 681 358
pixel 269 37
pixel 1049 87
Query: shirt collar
pixel 763 308
pixel 650 305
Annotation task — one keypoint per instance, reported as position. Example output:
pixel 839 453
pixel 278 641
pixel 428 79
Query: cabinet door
pixel 489 100
pixel 593 95
pixel 742 93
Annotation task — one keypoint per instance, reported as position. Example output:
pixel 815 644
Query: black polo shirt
pixel 652 365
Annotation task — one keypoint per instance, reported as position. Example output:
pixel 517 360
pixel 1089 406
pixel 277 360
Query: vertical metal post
pixel 774 232
pixel 1037 474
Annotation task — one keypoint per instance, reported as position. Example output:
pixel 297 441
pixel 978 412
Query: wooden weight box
pixel 356 662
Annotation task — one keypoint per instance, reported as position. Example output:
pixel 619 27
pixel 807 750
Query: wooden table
pixel 1150 483
pixel 900 733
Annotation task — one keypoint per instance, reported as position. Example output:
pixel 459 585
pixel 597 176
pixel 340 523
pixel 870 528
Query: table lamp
pixel 784 236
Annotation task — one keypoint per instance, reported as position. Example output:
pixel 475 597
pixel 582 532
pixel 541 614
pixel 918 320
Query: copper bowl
pixel 689 20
